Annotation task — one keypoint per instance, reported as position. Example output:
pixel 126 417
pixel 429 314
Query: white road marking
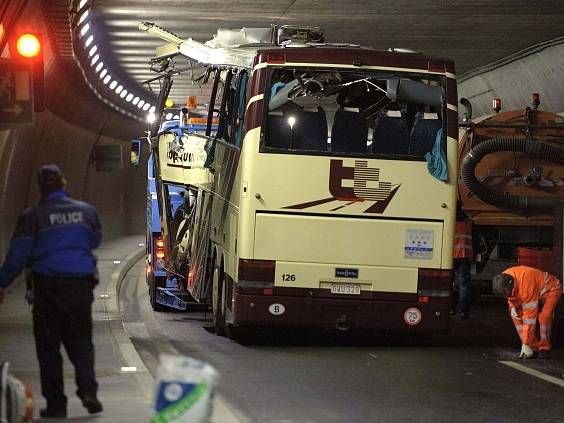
pixel 223 411
pixel 373 355
pixel 535 373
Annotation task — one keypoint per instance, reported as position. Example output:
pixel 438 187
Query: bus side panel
pixel 225 203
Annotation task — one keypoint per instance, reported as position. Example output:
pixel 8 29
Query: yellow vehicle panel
pixel 370 278
pixel 370 242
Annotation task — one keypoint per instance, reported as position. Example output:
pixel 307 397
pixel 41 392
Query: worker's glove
pixel 514 313
pixel 526 352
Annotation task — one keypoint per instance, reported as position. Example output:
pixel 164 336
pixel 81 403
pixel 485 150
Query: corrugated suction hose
pixel 533 149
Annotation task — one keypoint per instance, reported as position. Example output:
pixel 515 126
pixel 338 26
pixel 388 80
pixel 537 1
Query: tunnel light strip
pixel 93 55
pixel 89 40
pixel 84 29
pixel 83 16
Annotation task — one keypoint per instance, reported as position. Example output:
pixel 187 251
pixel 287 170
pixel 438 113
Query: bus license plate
pixel 347 289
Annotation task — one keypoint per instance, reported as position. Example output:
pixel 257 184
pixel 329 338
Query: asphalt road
pixel 471 375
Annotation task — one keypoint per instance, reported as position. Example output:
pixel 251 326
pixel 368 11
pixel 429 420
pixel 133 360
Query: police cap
pixel 50 178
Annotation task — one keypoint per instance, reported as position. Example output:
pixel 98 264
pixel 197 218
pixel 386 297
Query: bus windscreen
pixel 353 112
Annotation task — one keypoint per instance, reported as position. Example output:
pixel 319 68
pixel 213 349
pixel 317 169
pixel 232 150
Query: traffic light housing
pixel 28 48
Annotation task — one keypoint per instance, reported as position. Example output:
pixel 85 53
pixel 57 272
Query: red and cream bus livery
pixel 330 187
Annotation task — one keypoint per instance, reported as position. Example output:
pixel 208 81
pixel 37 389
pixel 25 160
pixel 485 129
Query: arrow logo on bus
pixel 366 186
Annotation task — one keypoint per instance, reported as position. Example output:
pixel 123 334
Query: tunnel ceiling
pixel 473 33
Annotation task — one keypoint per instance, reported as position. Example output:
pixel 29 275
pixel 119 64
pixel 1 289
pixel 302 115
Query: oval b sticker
pixel 412 316
pixel 276 309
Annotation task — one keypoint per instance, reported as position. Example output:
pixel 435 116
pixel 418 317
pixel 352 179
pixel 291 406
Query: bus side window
pixel 239 96
pixel 224 122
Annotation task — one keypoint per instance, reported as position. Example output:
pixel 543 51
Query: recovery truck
pixel 511 185
pixel 163 281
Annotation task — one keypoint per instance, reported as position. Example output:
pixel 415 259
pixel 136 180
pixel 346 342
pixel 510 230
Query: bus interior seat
pixel 278 131
pixel 310 130
pixel 391 134
pixel 349 133
pixel 423 133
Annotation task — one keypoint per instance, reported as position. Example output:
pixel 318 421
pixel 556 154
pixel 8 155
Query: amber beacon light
pixel 28 45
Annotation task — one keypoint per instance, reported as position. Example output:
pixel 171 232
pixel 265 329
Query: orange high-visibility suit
pixel 535 296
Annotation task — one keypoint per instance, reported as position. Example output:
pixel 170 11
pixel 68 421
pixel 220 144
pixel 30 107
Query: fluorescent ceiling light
pixel 89 40
pixel 99 66
pixel 119 89
pixel 135 101
pixel 95 59
pixel 84 29
pixel 152 109
pixel 93 50
pixel 129 97
pixel 113 85
pixel 123 93
pixel 146 107
pixel 107 79
pixel 103 73
pixel 84 16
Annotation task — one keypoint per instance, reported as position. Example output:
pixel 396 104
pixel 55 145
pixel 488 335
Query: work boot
pixel 53 413
pixel 92 404
pixel 543 354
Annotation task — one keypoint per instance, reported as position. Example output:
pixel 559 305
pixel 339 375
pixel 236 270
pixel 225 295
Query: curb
pixel 143 377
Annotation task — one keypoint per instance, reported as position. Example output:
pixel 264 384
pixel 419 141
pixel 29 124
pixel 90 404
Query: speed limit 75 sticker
pixel 412 316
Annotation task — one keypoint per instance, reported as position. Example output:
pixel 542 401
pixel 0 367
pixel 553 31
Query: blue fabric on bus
pixel 436 160
pixel 275 88
pixel 56 238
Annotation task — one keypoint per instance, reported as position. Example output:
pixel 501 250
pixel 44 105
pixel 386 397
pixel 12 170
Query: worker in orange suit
pixel 462 262
pixel 532 295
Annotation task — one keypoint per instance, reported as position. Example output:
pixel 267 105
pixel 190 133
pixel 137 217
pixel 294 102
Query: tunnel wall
pixel 537 69
pixel 65 133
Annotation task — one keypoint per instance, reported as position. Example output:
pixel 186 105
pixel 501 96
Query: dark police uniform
pixel 56 239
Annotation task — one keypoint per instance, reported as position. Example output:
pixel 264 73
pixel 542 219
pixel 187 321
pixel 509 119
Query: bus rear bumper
pixel 340 313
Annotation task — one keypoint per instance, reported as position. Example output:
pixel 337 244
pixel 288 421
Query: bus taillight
pixel 159 251
pixel 256 273
pixel 276 58
pixel 434 283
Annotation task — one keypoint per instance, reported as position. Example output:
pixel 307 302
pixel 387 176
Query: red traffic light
pixel 27 48
pixel 28 45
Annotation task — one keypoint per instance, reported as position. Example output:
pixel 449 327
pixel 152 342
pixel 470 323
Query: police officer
pixel 56 238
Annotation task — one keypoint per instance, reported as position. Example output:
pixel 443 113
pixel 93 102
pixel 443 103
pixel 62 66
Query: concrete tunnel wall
pixel 537 69
pixel 65 133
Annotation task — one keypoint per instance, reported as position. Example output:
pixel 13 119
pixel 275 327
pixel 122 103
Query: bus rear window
pixel 342 112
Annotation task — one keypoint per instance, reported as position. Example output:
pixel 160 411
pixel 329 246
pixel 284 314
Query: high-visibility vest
pixel 463 239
